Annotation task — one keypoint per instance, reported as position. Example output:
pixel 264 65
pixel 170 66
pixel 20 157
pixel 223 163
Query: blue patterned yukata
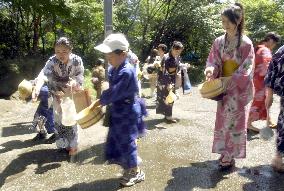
pixel 274 79
pixel 125 112
pixel 58 74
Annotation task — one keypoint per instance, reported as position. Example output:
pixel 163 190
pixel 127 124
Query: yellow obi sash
pixel 229 67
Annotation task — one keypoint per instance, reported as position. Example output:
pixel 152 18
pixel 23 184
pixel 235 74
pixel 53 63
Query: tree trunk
pixel 36 23
pixel 42 36
pixel 54 28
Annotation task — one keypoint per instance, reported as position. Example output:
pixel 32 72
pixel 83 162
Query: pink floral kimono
pixel 263 57
pixel 230 132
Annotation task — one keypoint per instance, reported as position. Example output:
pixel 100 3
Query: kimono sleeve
pixel 214 59
pixel 48 69
pixel 264 57
pixel 117 91
pixel 270 76
pixel 79 71
pixel 242 76
pixel 274 75
pixel 41 76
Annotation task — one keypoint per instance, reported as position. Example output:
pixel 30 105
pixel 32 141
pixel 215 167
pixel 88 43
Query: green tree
pixel 264 16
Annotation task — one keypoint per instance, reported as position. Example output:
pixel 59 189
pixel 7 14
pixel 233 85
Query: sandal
pixel 72 151
pixel 170 120
pixel 226 165
pixel 254 129
pixel 273 126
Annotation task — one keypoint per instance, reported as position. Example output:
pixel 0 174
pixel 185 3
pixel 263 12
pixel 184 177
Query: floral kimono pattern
pixel 262 58
pixel 58 74
pixel 230 132
pixel 274 80
pixel 166 80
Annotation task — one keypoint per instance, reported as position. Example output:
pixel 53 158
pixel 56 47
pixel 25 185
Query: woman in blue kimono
pixel 274 84
pixel 121 147
pixel 64 73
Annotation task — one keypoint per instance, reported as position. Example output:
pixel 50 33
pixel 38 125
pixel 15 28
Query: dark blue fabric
pixel 280 129
pixel 275 74
pixel 274 79
pixel 43 110
pixel 140 108
pixel 165 78
pixel 122 84
pixel 124 114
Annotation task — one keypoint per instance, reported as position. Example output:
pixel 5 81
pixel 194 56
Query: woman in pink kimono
pixel 236 50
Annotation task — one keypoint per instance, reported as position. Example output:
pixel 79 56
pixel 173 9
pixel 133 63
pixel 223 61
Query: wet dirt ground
pixel 176 157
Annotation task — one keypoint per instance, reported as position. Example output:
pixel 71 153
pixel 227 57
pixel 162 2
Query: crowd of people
pixel 255 77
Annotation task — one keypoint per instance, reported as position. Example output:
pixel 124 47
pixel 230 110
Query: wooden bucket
pixel 25 89
pixel 89 116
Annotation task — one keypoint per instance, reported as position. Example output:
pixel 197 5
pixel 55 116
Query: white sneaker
pixel 130 178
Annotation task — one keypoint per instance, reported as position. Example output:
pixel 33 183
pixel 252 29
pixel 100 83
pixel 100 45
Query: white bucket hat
pixel 113 42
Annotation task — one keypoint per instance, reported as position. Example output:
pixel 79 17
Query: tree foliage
pixel 264 16
pixel 30 27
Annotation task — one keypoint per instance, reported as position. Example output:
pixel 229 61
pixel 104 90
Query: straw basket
pixel 25 89
pixel 214 89
pixel 89 116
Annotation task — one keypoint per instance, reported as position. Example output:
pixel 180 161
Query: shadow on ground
pixel 151 107
pixel 17 129
pixel 262 177
pixel 204 175
pixel 93 155
pixel 252 135
pixel 17 144
pixel 45 159
pixel 155 124
pixel 109 185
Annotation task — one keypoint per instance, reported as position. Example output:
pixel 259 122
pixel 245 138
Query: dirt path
pixel 175 157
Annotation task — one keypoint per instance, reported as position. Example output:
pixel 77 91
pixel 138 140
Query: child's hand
pixel 34 95
pixel 157 64
pixel 94 80
pixel 209 73
pixel 95 104
pixel 72 85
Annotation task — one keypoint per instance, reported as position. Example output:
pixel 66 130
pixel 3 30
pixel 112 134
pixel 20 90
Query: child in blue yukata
pixel 43 122
pixel 125 110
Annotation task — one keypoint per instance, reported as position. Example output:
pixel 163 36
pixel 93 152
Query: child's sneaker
pixel 130 178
